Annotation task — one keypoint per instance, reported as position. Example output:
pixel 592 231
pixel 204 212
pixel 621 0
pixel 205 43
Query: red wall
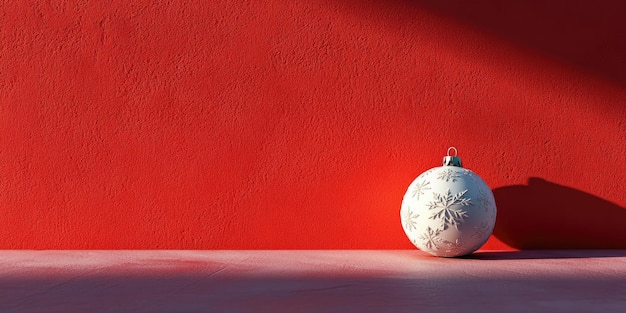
pixel 299 124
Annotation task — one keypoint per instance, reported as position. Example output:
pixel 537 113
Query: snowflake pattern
pixel 420 188
pixel 481 231
pixel 431 238
pixel 409 219
pixel 481 200
pixel 469 175
pixel 448 175
pixel 448 208
pixel 454 248
pixel 427 173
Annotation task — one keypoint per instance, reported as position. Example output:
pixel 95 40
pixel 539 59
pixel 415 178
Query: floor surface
pixel 311 281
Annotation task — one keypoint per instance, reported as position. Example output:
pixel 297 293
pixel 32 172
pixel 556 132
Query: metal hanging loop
pixel 452 160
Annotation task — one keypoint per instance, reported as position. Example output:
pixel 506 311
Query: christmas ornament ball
pixel 448 211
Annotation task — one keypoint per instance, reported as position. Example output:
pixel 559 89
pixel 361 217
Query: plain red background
pixel 300 124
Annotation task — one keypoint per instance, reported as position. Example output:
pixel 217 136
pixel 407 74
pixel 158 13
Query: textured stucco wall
pixel 299 124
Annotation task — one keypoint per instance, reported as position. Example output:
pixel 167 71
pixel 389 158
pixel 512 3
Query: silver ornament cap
pixel 452 160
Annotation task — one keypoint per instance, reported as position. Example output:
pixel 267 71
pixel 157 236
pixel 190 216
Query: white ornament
pixel 448 211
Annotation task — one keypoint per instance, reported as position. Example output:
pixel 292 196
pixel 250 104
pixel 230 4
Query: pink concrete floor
pixel 311 281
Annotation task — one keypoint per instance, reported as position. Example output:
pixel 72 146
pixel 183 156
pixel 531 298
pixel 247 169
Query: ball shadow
pixel 545 215
pixel 545 254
